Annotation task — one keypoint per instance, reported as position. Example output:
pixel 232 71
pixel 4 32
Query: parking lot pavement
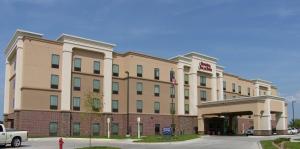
pixel 205 142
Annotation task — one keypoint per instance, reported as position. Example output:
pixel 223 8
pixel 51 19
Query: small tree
pixel 93 105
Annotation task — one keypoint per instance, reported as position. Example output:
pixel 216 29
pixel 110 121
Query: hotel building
pixel 48 84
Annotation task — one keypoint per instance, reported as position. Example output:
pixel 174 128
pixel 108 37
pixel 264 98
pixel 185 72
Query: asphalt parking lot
pixel 205 142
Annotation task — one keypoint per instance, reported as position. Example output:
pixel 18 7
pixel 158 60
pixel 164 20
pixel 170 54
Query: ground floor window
pixel 96 129
pixel 76 129
pixel 157 129
pixel 53 129
pixel 115 129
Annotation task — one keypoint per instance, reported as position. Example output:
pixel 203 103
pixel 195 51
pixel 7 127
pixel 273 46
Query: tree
pixel 93 105
pixel 296 125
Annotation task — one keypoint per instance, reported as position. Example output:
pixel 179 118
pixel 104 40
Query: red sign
pixel 205 66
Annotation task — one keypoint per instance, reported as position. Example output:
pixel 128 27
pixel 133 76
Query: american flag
pixel 173 80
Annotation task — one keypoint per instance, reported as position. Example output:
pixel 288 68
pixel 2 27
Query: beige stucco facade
pixel 28 79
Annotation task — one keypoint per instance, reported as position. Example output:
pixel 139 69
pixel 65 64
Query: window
pixel 156 90
pixel 139 88
pixel 96 86
pixel 156 107
pixel 139 106
pixel 115 129
pixel 249 91
pixel 186 93
pixel 55 61
pixel 157 129
pixel 240 89
pixel 53 102
pixel 203 95
pixel 96 67
pixel 172 108
pixel 76 103
pixel 233 87
pixel 115 105
pixel 115 87
pixel 186 79
pixel 172 75
pixel 202 80
pixel 77 83
pixel 186 109
pixel 115 70
pixel 224 85
pixel 141 128
pixel 156 73
pixel 76 129
pixel 96 104
pixel 139 70
pixel 96 129
pixel 54 81
pixel 53 129
pixel 77 64
pixel 172 92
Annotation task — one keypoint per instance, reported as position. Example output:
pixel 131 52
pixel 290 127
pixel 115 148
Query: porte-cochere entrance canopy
pixel 260 109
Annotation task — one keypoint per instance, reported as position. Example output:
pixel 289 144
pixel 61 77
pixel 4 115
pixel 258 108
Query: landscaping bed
pixel 280 143
pixel 153 139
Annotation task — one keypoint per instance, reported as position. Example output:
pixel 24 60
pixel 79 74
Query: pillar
pixel 6 87
pixel 214 87
pixel 221 92
pixel 107 83
pixel 257 89
pixel 281 119
pixel 66 77
pixel 180 90
pixel 19 74
pixel 200 125
pixel 269 92
pixel 193 87
pixel 262 123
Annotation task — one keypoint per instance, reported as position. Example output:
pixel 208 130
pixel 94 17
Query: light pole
pixel 127 134
pixel 293 101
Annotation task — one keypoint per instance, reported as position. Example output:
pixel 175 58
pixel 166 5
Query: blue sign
pixel 167 131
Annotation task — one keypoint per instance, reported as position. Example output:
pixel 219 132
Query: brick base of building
pixel 262 132
pixel 281 132
pixel 37 122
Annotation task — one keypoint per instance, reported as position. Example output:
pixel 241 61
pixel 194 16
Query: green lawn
pixel 99 147
pixel 267 144
pixel 292 145
pixel 153 139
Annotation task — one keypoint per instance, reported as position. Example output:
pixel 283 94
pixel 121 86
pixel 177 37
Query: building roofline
pixel 200 55
pixel 20 33
pixel 74 37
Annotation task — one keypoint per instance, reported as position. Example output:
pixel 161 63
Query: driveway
pixel 205 142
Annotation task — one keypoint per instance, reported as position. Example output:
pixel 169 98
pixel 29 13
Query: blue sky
pixel 251 38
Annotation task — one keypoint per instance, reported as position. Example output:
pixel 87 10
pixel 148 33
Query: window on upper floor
pixel 203 80
pixel 55 61
pixel 77 64
pixel 203 96
pixel 139 70
pixel 156 73
pixel 76 103
pixel 115 87
pixel 172 92
pixel 156 90
pixel 115 70
pixel 240 89
pixel 172 75
pixel 53 102
pixel 139 88
pixel 54 81
pixel 139 106
pixel 96 67
pixel 186 109
pixel 77 83
pixel 96 86
pixel 156 107
pixel 186 79
pixel 224 85
pixel 186 93
pixel 233 87
pixel 115 105
pixel 96 104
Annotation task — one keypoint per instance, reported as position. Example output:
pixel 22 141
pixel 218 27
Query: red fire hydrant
pixel 61 143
